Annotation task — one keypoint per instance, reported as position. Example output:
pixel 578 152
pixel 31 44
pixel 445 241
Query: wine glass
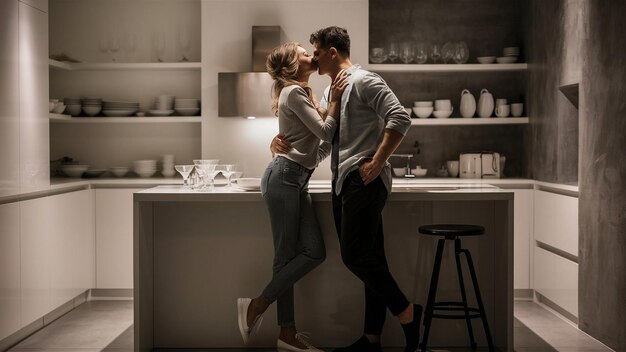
pixel 184 41
pixel 421 53
pixel 447 52
pixel 228 171
pixel 407 52
pixel 378 55
pixel 114 46
pixel 158 41
pixel 184 171
pixel 103 45
pixel 435 53
pixel 461 53
pixel 206 169
pixel 129 45
pixel 392 53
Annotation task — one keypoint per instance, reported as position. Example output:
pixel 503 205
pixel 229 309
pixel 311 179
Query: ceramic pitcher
pixel 485 103
pixel 468 104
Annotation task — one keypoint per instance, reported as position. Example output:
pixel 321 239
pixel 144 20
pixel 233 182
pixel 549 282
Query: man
pixel 372 124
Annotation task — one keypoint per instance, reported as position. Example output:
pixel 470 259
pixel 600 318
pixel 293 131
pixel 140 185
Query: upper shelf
pixel 456 121
pixel 97 66
pixel 59 118
pixel 446 67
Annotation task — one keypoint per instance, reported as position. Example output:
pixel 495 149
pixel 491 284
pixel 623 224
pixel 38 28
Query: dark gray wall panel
pixel 552 36
pixel 602 217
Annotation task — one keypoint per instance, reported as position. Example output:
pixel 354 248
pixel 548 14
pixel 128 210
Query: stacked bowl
pixel 168 165
pixel 187 107
pixel 145 168
pixel 92 105
pixel 423 109
pixel 119 108
pixel 163 106
pixel 72 106
pixel 510 55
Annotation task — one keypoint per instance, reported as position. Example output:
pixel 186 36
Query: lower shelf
pixel 59 118
pixel 470 121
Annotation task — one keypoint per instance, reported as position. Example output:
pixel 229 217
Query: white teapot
pixel 468 104
pixel 485 103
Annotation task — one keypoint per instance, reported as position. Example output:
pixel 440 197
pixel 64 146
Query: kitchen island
pixel 195 253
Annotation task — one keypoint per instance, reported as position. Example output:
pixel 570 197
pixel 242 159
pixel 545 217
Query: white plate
pixel 117 113
pixel 161 112
pixel 188 111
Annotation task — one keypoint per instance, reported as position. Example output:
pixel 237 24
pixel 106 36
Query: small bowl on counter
pixel 74 170
pixel 419 172
pixel 119 171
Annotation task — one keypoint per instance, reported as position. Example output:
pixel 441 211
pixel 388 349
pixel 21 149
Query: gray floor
pixel 108 326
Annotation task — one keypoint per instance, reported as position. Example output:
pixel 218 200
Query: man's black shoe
pixel 361 345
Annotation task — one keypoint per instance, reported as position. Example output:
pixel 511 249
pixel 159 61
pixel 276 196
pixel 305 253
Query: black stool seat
pixel 452 230
pixel 454 309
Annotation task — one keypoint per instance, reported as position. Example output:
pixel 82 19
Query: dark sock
pixel 412 330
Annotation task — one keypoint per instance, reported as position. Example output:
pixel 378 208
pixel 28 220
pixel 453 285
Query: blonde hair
pixel 282 65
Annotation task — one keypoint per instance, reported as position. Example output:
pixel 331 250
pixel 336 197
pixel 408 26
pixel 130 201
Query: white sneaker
pixel 282 346
pixel 242 314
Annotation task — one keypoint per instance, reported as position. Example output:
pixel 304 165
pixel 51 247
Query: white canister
pixel 485 104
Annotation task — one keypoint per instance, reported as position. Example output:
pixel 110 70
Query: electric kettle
pixel 479 165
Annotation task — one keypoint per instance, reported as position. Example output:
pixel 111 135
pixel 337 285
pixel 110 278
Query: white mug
pixel 503 110
pixel 443 104
pixel 453 168
pixel 501 102
pixel 517 109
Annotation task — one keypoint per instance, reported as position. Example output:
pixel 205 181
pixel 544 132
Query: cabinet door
pixel 556 221
pixel 114 238
pixel 33 98
pixel 9 269
pixel 57 252
pixel 522 243
pixel 9 100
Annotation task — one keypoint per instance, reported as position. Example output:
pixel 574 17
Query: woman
pixel 298 242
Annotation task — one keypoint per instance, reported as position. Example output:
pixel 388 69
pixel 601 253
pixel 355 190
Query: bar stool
pixel 453 232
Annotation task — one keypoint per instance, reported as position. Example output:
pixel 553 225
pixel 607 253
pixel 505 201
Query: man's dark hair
pixel 333 36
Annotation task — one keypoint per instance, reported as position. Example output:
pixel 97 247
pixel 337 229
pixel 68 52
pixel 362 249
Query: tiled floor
pixel 108 326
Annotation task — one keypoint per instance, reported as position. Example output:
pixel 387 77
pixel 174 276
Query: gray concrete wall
pixel 602 207
pixel 552 38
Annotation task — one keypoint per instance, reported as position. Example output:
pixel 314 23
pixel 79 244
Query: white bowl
pixel 74 170
pixel 249 182
pixel 419 172
pixel 145 173
pixel 486 59
pixel 399 171
pixel 423 104
pixel 506 59
pixel 408 111
pixel 119 171
pixel 59 108
pixel 423 112
pixel 92 110
pixel 442 114
pixel 74 109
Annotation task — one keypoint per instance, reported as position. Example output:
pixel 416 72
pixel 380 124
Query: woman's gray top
pixel 302 126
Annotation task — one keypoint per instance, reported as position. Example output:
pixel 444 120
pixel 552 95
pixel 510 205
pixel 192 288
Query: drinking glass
pixel 447 52
pixel 421 53
pixel 114 46
pixel 378 55
pixel 103 45
pixel 435 53
pixel 184 171
pixel 129 45
pixel 461 53
pixel 407 52
pixel 158 41
pixel 392 53
pixel 184 41
pixel 205 168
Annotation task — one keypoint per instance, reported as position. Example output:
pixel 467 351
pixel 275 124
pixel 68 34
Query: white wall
pixel 226 47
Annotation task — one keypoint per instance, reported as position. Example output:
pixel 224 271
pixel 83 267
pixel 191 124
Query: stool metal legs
pixel 457 257
pixel 432 293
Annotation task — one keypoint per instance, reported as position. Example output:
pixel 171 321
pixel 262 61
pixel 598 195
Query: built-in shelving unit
pixel 446 67
pixel 59 118
pixel 457 121
pixel 98 66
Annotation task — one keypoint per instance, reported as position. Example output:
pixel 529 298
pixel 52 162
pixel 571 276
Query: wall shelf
pixel 102 66
pixel 457 121
pixel 58 118
pixel 446 67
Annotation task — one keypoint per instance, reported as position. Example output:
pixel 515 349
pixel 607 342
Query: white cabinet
pixel 114 238
pixel 523 219
pixel 9 269
pixel 33 99
pixel 9 96
pixel 556 278
pixel 57 251
pixel 556 221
